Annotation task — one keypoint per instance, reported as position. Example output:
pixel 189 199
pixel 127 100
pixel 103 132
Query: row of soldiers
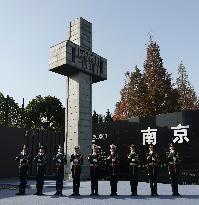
pixel 94 158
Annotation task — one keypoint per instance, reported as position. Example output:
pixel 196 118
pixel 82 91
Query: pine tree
pixel 136 94
pixel 108 117
pixel 162 98
pixel 120 111
pixel 188 99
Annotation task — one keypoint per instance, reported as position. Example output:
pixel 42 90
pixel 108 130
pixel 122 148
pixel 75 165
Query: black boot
pixel 92 192
pixel 96 189
pixel 132 191
pixel 112 189
pixel 77 190
pixel 21 190
pixel 40 190
pixel 155 189
pixel 135 191
pixel 37 192
pixel 175 190
pixel 115 188
pixel 152 189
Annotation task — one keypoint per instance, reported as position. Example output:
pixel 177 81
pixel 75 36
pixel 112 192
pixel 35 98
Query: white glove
pixel 174 159
pixel 39 160
pixel 153 159
pixel 75 160
pixel 133 160
pixel 94 160
pixel 59 160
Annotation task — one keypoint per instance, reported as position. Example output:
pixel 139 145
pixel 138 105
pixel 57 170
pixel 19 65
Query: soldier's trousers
pixel 133 177
pixel 174 183
pixel 94 185
pixel 59 178
pixel 40 179
pixel 76 184
pixel 23 182
pixel 134 185
pixel 153 184
pixel 113 183
pixel 40 184
pixel 59 185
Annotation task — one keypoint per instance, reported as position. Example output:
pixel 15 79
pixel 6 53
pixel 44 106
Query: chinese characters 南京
pixel 180 134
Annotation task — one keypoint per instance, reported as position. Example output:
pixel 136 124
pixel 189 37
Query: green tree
pixel 188 99
pixel 10 114
pixel 45 113
pixel 108 117
pixel 2 109
pixel 162 97
pixel 136 94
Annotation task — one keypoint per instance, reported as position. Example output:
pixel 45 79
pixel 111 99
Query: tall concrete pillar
pixel 74 58
pixel 79 117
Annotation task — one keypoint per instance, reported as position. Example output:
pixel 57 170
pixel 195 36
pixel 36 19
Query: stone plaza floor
pixel 190 195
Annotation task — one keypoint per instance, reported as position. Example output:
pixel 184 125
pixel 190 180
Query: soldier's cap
pixel 60 147
pixel 94 146
pixel 77 147
pixel 112 146
pixel 151 145
pixel 41 147
pixel 132 146
pixel 171 145
pixel 24 147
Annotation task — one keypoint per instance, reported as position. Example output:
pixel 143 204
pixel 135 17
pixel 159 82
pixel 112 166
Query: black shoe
pixel 73 194
pixel 152 194
pixel 92 194
pixel 156 194
pixel 57 193
pixel 134 194
pixel 96 194
pixel 176 194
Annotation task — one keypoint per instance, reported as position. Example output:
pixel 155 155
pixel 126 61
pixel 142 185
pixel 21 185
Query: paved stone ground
pixel 190 195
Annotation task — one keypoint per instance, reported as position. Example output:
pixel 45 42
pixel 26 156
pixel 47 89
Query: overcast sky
pixel 120 34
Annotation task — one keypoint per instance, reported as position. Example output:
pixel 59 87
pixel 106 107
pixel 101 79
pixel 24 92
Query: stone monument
pixel 74 58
